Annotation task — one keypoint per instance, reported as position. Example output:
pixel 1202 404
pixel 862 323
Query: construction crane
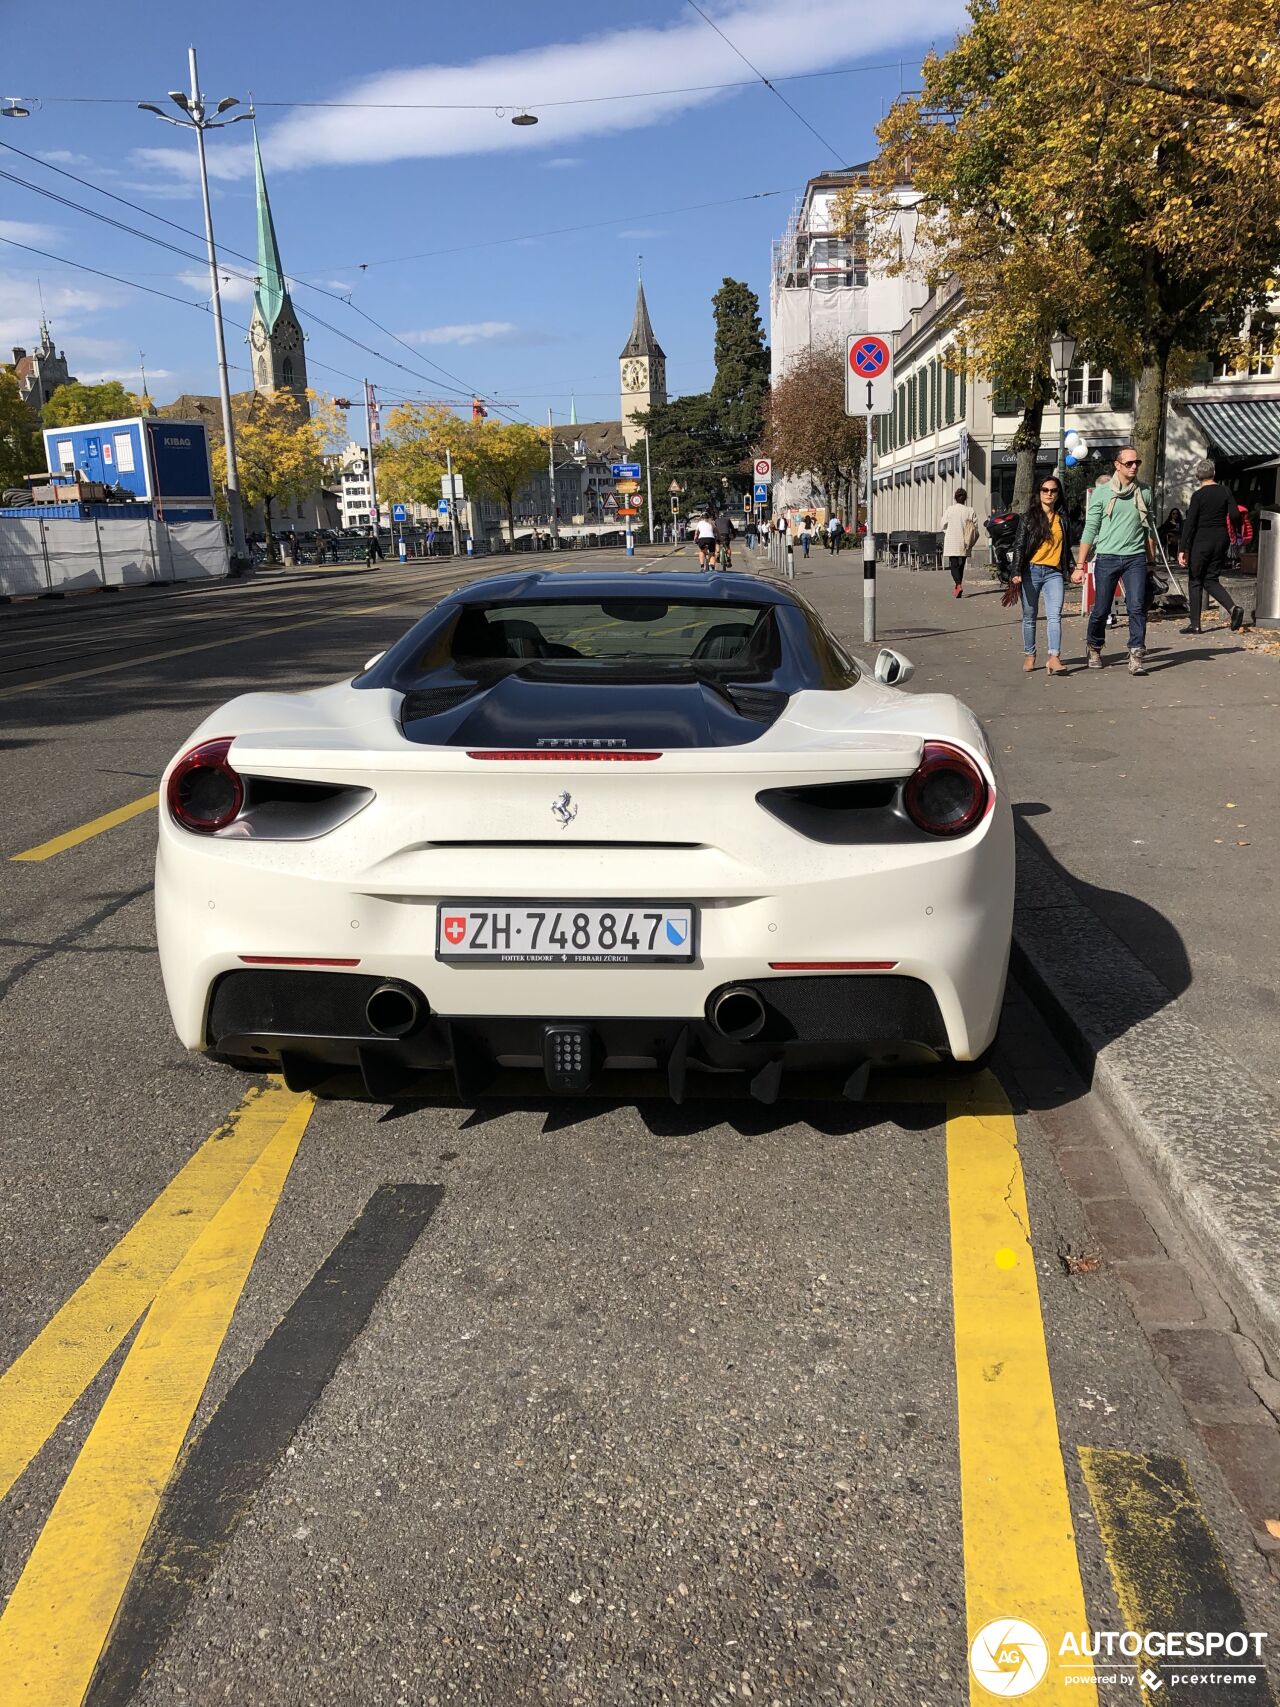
pixel 480 406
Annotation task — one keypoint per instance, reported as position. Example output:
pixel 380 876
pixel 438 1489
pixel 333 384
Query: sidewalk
pixel 1148 813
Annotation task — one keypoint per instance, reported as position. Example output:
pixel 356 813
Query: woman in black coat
pixel 1043 551
pixel 1203 552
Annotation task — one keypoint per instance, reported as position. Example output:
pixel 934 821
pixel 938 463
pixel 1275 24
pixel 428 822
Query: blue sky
pixel 528 319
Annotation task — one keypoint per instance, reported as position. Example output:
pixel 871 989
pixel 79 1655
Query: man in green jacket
pixel 1120 526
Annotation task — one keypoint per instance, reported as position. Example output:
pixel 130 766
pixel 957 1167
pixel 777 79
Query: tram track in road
pixel 25 656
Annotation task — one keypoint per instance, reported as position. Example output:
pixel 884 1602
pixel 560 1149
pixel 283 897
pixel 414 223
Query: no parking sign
pixel 868 375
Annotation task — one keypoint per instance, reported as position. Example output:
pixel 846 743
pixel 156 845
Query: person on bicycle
pixel 704 533
pixel 725 532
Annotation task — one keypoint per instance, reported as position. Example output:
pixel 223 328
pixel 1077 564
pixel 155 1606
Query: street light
pixel 194 110
pixel 1062 352
pixel 13 108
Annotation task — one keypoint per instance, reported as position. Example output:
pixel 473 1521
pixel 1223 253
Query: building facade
pixel 41 371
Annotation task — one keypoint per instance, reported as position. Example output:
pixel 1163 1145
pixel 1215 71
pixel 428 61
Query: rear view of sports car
pixel 582 826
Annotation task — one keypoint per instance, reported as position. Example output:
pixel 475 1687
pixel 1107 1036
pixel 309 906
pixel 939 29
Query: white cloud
pixel 227 164
pixel 23 231
pixel 129 377
pixel 472 332
pixel 65 305
pixel 781 36
pixel 232 286
pixel 564 160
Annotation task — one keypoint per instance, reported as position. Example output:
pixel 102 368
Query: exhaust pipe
pixel 393 1010
pixel 738 1013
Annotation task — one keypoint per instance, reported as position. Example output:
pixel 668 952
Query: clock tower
pixel 643 368
pixel 276 351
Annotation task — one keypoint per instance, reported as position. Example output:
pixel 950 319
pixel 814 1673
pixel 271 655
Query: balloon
pixel 1080 450
pixel 1072 439
pixel 1072 460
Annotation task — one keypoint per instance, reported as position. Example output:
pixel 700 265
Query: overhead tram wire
pixel 465 392
pixel 770 86
pixel 168 296
pixel 490 106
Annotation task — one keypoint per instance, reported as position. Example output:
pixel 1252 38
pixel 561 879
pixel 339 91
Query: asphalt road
pixel 566 1402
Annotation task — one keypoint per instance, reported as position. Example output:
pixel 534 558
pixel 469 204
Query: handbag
pixel 970 536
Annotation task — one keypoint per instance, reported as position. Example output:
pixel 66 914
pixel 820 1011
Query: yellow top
pixel 1051 550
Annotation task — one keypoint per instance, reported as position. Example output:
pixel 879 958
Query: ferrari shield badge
pixel 563 809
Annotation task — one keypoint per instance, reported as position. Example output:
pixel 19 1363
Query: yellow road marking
pixel 42 1384
pixel 1019 1541
pixel 195 646
pixel 95 827
pixel 61 1610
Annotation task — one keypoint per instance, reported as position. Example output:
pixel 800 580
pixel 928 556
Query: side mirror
pixel 370 662
pixel 892 668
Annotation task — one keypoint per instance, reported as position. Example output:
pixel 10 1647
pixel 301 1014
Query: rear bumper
pixel 311 1025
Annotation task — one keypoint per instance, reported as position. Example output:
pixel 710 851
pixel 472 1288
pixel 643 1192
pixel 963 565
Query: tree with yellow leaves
pixel 499 457
pixel 494 458
pixel 411 458
pixel 1114 169
pixel 281 446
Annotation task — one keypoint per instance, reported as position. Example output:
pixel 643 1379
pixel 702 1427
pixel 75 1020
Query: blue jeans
pixel 1108 573
pixel 1037 579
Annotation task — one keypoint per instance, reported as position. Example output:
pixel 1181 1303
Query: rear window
pixel 608 631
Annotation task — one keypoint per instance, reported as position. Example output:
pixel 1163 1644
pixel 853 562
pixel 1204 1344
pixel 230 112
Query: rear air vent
pixel 844 812
pixel 762 705
pixel 430 702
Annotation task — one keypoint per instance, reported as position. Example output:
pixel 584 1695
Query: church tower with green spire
pixel 275 338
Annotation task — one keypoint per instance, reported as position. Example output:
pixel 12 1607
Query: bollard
pixel 791 560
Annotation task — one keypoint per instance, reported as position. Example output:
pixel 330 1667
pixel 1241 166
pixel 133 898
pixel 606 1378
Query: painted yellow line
pixel 239 638
pixel 95 827
pixel 1020 1557
pixel 61 1610
pixel 42 1384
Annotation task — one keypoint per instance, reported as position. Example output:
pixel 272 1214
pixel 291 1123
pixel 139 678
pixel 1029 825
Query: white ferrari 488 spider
pixel 587 827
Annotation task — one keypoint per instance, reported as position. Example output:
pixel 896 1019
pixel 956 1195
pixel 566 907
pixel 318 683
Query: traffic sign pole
pixel 869 548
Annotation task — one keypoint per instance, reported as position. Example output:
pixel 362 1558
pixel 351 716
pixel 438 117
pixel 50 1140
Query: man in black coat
pixel 1203 550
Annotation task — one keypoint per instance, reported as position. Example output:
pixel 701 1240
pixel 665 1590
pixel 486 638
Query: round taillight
pixel 204 793
pixel 947 794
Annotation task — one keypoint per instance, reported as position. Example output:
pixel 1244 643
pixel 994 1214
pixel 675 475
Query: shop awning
pixel 1248 429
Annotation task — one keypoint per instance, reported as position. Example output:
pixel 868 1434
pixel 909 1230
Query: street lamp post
pixel 195 110
pixel 1062 350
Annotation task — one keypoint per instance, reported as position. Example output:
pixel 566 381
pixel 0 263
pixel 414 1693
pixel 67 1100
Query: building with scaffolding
pixel 827 283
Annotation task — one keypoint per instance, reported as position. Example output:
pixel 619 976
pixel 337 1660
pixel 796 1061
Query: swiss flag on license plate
pixel 455 927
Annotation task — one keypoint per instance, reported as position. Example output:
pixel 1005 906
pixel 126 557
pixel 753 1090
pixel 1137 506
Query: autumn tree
pixel 20 452
pixel 1071 173
pixel 807 432
pixel 411 458
pixel 688 444
pixel 281 446
pixel 497 458
pixel 74 404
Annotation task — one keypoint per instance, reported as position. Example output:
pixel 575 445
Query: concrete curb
pixel 1209 1134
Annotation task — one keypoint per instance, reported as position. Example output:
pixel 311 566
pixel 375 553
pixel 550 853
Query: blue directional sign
pixel 399 513
pixel 442 506
pixel 626 470
pixel 761 492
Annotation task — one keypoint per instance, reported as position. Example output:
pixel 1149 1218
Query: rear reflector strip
pixel 832 965
pixel 292 960
pixel 561 753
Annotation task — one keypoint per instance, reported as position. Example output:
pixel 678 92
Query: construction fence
pixel 38 556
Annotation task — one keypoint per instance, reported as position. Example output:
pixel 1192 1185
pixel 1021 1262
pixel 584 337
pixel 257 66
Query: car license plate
pixel 551 933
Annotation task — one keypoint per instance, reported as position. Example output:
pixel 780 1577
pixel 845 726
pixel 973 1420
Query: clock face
pixel 258 335
pixel 633 376
pixel 289 337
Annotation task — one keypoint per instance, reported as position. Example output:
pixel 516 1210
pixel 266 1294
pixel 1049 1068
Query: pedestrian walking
pixel 1202 549
pixel 835 532
pixel 1120 528
pixel 959 526
pixel 372 548
pixel 1041 563
pixel 704 533
pixel 805 537
pixel 750 533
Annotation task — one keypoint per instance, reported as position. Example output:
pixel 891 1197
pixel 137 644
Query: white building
pixel 354 487
pixel 823 287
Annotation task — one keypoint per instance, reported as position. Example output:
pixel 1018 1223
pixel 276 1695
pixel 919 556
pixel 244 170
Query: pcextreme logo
pixel 1008 1657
